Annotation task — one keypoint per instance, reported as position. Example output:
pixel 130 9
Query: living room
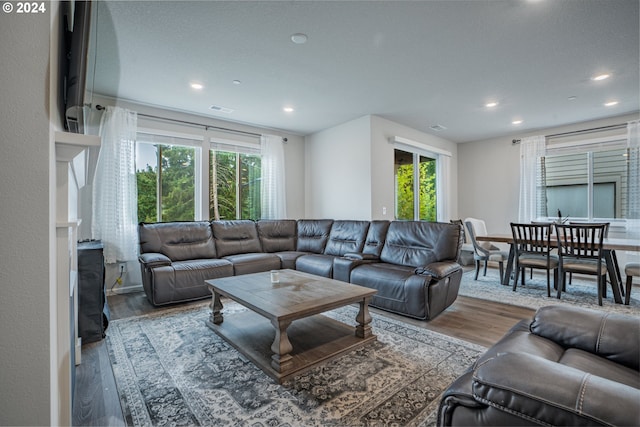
pixel 483 182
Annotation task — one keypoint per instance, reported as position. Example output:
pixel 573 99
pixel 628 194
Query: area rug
pixel 581 292
pixel 170 369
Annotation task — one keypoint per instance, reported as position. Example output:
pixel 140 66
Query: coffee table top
pixel 297 294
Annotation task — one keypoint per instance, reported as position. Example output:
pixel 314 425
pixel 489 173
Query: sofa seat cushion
pixel 184 280
pixel 253 262
pixel 318 264
pixel 596 365
pixel 399 289
pixel 288 258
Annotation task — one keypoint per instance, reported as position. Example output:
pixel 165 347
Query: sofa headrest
pixel 419 243
pixel 346 236
pixel 313 234
pixel 375 237
pixel 277 235
pixel 178 240
pixel 235 237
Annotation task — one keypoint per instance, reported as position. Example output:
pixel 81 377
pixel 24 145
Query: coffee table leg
pixel 363 329
pixel 281 360
pixel 216 309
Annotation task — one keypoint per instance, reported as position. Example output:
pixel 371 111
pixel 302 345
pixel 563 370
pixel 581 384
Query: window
pixel 234 185
pixel 416 192
pixel 166 177
pixel 587 182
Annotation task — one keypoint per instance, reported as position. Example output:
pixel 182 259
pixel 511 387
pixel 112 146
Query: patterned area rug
pixel 582 292
pixel 171 369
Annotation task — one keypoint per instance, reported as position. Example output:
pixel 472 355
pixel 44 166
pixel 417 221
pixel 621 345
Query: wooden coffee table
pixel 267 333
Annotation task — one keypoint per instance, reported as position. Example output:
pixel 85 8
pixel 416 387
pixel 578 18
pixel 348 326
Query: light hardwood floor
pixel 96 399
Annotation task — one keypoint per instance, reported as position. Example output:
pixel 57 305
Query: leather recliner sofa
pixel 567 366
pixel 412 264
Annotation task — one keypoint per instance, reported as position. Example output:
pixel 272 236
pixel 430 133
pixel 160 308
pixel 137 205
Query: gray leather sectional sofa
pixel 412 264
pixel 569 366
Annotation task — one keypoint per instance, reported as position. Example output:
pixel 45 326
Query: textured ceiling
pixel 418 63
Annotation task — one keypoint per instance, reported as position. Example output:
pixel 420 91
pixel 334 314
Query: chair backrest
pixel 479 226
pixel 606 226
pixel 580 240
pixel 531 238
pixel 481 249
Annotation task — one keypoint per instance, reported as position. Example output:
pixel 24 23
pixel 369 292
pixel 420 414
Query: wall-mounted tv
pixel 76 23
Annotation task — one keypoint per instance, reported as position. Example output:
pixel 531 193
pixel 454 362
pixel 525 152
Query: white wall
pixel 338 171
pixel 26 182
pixel 350 172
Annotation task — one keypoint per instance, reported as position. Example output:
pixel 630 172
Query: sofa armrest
pixel 438 270
pixel 152 259
pixel 361 256
pixel 613 336
pixel 522 385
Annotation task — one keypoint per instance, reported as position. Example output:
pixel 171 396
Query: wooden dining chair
pixel 606 234
pixel 580 251
pixel 532 246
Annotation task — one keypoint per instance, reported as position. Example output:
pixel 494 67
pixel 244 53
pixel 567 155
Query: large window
pixel 173 178
pixel 166 176
pixel 586 185
pixel 234 185
pixel 415 182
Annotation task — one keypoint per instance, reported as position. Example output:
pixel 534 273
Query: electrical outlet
pixel 122 267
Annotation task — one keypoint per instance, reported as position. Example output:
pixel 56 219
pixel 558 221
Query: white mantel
pixel 71 170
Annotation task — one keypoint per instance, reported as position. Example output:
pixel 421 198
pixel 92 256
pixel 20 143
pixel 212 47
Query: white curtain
pixel 274 201
pixel 531 150
pixel 633 169
pixel 115 211
pixel 443 188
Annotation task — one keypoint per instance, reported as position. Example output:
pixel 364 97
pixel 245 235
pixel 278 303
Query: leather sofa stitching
pixel 510 411
pixel 583 391
pixel 601 332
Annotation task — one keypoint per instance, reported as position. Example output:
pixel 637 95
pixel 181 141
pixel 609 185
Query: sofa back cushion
pixel 313 234
pixel 346 236
pixel 419 243
pixel 235 237
pixel 177 240
pixel 277 235
pixel 375 237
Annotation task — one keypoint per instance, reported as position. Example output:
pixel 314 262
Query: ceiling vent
pixel 220 109
pixel 437 128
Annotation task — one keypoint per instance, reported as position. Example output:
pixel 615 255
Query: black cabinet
pixel 93 311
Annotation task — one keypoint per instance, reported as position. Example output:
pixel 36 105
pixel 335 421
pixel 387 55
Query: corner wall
pixel 26 181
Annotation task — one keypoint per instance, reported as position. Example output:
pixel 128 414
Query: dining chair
pixel 580 251
pixel 484 251
pixel 606 234
pixel 630 270
pixel 532 246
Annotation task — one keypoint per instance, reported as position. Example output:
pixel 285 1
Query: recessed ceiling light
pixel 237 82
pixel 197 86
pixel 516 122
pixel 299 38
pixel 610 103
pixel 572 98
pixel 288 109
pixel 599 77
pixel 437 128
pixel 491 104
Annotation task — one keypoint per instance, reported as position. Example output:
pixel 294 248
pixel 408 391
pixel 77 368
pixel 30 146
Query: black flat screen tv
pixel 77 29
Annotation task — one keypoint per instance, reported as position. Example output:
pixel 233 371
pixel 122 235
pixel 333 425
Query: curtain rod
pixel 151 116
pixel 577 132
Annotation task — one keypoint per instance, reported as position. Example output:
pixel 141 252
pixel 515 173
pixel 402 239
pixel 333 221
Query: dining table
pixel 609 246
